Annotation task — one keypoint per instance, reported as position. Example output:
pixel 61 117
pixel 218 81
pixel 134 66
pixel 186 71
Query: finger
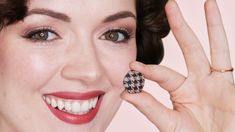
pixel 158 114
pixel 220 56
pixel 194 55
pixel 165 77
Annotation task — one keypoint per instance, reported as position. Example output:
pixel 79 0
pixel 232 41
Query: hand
pixel 202 101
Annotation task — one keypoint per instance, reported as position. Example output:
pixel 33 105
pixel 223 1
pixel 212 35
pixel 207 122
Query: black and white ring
pixel 134 81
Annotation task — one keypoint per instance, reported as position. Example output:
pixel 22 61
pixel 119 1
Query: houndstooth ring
pixel 134 82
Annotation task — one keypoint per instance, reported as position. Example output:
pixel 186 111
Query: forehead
pixel 85 8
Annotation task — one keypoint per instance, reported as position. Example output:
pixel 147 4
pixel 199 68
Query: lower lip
pixel 76 119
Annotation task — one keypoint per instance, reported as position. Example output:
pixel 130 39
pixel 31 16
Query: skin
pixel 76 59
pixel 202 100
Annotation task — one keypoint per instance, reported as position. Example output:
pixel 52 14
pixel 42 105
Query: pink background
pixel 128 118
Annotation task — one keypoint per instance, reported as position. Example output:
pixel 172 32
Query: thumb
pixel 161 116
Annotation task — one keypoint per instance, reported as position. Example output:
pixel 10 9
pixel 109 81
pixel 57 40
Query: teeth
pixel 78 107
pixel 60 104
pixel 68 106
pixel 90 104
pixel 85 106
pixel 48 100
pixel 53 103
pixel 81 113
pixel 95 102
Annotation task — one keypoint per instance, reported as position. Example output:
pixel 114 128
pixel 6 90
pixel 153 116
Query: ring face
pixel 133 82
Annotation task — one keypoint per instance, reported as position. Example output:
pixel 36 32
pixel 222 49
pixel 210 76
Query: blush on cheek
pixel 38 64
pixel 32 72
pixel 118 68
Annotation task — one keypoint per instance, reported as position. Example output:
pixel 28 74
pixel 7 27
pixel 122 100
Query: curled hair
pixel 12 11
pixel 152 26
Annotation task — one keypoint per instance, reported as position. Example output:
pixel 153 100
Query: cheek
pixel 27 70
pixel 117 65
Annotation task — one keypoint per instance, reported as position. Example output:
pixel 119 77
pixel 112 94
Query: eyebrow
pixel 65 18
pixel 119 15
pixel 50 13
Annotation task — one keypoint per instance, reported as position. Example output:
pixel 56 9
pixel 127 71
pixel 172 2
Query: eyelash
pixel 127 35
pixel 29 35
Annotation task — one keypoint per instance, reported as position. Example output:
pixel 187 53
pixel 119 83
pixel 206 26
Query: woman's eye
pixel 116 36
pixel 41 35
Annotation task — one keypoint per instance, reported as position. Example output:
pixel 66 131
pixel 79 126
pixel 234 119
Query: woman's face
pixel 60 59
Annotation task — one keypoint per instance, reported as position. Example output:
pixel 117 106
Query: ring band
pixel 221 70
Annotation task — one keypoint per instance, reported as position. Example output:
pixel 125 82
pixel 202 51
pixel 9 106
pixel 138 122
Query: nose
pixel 82 64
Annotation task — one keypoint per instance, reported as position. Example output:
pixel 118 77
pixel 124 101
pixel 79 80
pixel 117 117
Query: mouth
pixel 74 108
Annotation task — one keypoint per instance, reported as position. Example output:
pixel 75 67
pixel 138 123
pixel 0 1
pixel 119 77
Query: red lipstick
pixel 75 118
pixel 76 95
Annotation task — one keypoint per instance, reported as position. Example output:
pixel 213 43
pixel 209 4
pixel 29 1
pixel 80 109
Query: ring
pixel 221 70
pixel 134 82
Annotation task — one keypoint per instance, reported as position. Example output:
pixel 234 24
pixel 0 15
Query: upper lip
pixel 76 95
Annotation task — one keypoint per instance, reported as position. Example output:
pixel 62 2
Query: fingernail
pixel 136 64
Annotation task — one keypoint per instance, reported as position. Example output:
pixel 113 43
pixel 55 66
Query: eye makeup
pixel 41 34
pixel 117 35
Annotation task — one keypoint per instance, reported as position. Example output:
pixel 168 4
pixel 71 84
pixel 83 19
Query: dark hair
pixel 12 11
pixel 152 25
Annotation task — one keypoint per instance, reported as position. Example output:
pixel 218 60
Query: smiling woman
pixel 62 70
pixel 63 63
